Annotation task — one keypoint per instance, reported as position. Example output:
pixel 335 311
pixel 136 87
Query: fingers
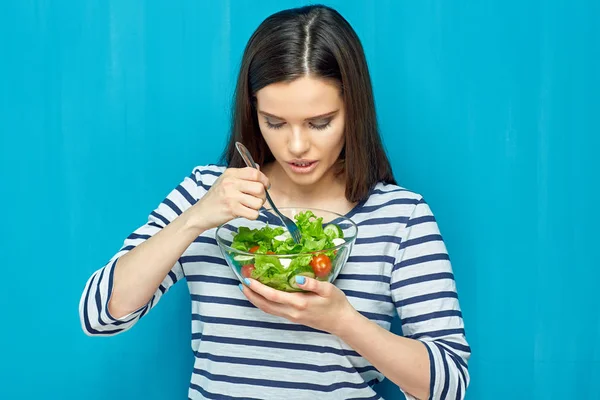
pixel 262 303
pixel 243 211
pixel 242 197
pixel 321 288
pixel 252 202
pixel 252 174
pixel 256 189
pixel 277 296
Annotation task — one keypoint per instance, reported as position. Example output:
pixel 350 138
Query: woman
pixel 304 107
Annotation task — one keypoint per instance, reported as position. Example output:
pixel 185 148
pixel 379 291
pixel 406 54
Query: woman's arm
pixel 424 293
pixel 430 360
pixel 403 361
pixel 139 273
pixel 135 279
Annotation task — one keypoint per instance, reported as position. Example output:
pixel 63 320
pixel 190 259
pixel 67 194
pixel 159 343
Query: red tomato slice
pixel 321 265
pixel 253 249
pixel 247 270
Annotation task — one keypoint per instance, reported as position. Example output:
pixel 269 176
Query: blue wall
pixel 490 109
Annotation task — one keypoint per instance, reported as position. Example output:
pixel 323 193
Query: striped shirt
pixel 398 266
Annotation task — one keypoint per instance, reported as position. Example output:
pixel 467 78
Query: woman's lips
pixel 302 166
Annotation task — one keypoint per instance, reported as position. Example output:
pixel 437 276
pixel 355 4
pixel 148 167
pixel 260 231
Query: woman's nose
pixel 299 142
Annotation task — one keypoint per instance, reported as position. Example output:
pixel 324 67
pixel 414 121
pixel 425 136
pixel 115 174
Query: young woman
pixel 304 107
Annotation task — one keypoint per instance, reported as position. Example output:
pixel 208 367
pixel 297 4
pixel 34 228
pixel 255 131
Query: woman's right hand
pixel 238 192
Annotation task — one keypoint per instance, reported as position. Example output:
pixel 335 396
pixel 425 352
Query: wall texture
pixel 490 109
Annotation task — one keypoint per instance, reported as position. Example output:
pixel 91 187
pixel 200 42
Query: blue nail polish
pixel 300 279
pixel 241 287
pixel 247 281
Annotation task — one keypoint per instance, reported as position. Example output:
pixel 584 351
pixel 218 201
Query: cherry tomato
pixel 253 249
pixel 270 252
pixel 247 270
pixel 321 265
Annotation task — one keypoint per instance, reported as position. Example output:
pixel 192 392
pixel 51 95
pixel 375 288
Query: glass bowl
pixel 279 270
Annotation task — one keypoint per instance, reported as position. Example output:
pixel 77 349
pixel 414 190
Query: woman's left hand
pixel 323 307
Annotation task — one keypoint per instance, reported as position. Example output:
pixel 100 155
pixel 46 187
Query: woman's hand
pixel 238 192
pixel 324 307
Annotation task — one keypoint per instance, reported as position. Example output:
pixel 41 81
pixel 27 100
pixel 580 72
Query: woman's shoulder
pixel 383 192
pixel 209 169
pixel 389 203
pixel 205 175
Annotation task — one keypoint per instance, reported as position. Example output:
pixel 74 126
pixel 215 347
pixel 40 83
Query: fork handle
pixel 271 202
pixel 250 163
pixel 245 155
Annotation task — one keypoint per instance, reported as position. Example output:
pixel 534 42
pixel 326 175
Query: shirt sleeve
pixel 93 305
pixel 424 294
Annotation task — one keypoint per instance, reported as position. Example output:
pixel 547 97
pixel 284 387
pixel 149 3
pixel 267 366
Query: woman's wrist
pixel 193 221
pixel 348 323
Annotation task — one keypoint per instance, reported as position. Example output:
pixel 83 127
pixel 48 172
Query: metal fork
pixel 289 224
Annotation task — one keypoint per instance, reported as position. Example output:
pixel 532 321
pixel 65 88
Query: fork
pixel 289 224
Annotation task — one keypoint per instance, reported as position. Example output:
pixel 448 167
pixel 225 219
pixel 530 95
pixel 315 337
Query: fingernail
pixel 300 279
pixel 246 281
pixel 241 287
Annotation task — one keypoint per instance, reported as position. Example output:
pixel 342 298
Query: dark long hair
pixel 313 40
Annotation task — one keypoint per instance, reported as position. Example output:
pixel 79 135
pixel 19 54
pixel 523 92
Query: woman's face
pixel 302 122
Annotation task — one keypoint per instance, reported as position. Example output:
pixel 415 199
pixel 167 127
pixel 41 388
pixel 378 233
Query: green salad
pixel 311 257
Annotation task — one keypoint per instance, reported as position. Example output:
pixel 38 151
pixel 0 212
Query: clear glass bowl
pixel 242 262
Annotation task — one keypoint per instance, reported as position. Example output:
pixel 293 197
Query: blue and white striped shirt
pixel 399 264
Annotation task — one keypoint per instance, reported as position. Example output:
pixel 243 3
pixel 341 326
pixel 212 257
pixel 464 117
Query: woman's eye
pixel 320 125
pixel 274 125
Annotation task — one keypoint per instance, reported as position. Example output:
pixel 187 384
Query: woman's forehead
pixel 305 97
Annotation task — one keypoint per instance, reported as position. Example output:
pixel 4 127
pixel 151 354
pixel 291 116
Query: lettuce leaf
pixel 313 240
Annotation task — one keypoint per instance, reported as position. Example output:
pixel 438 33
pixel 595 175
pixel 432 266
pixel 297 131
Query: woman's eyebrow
pixel 329 114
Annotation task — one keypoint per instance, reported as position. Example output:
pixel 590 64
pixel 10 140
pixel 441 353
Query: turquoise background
pixel 488 108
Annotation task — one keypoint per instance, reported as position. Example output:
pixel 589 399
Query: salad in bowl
pixel 264 250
